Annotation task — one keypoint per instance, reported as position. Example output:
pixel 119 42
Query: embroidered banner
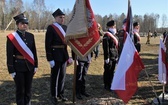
pixel 77 27
pixel 83 46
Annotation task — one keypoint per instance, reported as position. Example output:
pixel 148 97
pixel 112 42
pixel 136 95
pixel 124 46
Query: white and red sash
pixel 60 31
pixel 138 36
pixel 21 47
pixel 113 37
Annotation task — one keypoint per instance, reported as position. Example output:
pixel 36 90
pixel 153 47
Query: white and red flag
pixel 82 32
pixel 129 66
pixel 162 63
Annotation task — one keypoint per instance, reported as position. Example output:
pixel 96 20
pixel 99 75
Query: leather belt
pixel 58 46
pixel 19 57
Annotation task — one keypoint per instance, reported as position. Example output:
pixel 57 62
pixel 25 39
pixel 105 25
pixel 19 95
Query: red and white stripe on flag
pixel 162 63
pixel 129 66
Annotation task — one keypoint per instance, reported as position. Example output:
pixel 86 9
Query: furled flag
pixel 82 31
pixel 162 63
pixel 129 22
pixel 125 78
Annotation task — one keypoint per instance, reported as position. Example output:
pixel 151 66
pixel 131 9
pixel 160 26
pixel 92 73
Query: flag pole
pixel 152 87
pixel 163 92
pixel 74 78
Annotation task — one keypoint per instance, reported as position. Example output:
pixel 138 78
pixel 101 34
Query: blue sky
pixel 105 7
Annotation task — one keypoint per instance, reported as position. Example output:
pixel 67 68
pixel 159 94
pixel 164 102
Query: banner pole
pixel 163 92
pixel 74 79
pixel 152 87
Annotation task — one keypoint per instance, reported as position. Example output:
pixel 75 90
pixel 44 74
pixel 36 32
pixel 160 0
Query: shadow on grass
pixel 41 91
pixel 94 86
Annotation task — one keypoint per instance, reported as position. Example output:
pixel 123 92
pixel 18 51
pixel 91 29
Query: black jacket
pixel 15 64
pixel 109 48
pixel 52 39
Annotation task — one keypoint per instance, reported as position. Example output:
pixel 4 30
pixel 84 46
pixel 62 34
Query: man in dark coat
pixel 81 72
pixel 136 35
pixel 22 60
pixel 164 35
pixel 57 55
pixel 121 34
pixel 110 45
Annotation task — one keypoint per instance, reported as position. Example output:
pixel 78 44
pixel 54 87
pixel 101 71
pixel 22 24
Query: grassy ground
pixel 40 87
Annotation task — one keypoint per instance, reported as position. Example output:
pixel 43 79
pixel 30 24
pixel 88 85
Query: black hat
pixel 58 12
pixel 125 20
pixel 20 18
pixel 111 23
pixel 135 24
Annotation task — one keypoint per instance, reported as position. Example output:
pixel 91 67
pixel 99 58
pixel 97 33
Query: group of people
pixel 113 43
pixel 22 59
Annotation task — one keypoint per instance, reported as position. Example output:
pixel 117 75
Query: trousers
pixel 23 82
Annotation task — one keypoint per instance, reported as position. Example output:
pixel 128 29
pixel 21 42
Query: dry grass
pixel 40 90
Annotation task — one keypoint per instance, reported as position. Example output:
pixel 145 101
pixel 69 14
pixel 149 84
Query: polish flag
pixel 129 66
pixel 162 63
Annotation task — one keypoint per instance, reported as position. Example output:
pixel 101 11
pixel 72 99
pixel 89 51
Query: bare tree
pixel 40 16
pixel 157 16
pixel 99 19
pixel 16 7
pixel 2 11
pixel 164 20
pixel 39 8
pixel 105 20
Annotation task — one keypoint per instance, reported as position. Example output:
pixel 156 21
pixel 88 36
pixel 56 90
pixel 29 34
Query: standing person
pixel 121 36
pixel 110 45
pixel 97 48
pixel 166 46
pixel 82 68
pixel 57 55
pixel 22 60
pixel 136 35
pixel 164 35
pixel 155 34
pixel 148 37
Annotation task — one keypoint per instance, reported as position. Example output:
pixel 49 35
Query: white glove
pixel 35 70
pixel 52 63
pixel 107 61
pixel 13 74
pixel 69 61
pixel 77 63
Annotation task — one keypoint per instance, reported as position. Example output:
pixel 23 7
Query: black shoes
pixel 54 100
pixel 62 98
pixel 78 96
pixel 85 94
pixel 106 87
